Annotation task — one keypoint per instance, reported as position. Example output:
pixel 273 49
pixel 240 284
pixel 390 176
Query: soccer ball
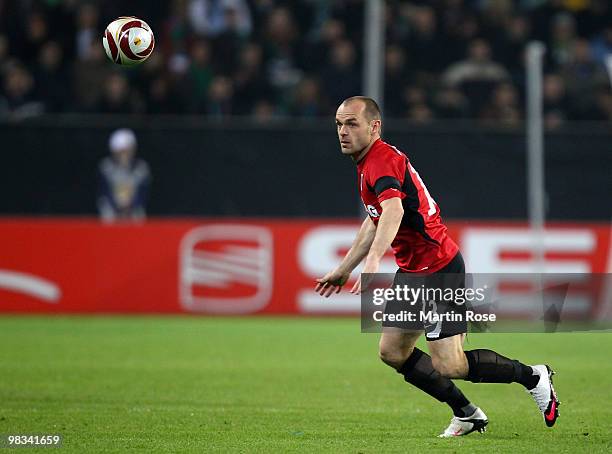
pixel 128 41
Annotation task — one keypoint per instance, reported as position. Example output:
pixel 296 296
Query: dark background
pixel 295 169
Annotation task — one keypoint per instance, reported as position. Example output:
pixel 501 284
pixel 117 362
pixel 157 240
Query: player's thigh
pixel 447 356
pixel 396 345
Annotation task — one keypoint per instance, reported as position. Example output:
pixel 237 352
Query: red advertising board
pixel 235 266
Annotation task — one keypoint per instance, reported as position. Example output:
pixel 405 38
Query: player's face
pixel 355 132
pixel 124 156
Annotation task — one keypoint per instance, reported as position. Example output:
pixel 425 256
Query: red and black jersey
pixel 421 244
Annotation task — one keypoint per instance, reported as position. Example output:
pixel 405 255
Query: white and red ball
pixel 128 41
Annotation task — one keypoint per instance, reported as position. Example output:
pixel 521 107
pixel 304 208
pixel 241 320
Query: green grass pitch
pixel 196 384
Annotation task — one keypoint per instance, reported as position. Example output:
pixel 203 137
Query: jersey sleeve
pixel 387 176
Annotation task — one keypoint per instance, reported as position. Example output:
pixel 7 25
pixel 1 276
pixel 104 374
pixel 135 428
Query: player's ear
pixel 374 126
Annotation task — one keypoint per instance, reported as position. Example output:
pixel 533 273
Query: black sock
pixel 486 366
pixel 419 371
pixel 529 379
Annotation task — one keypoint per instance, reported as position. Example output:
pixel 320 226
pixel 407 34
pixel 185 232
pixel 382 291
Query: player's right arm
pixel 333 281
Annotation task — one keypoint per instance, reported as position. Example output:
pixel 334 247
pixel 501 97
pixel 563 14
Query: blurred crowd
pixel 444 59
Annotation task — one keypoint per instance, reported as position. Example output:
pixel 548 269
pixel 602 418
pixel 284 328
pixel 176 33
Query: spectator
pixel 460 27
pixel 504 106
pixel 317 48
pixel 228 42
pixel 145 75
pixel 264 111
pixel 220 97
pixel 52 79
pixel 563 37
pixel 477 75
pixel 511 43
pixel 496 15
pixel 543 15
pixel 450 103
pixel 417 108
pixel 396 77
pixel 117 97
pixel 583 76
pixel 200 70
pixel 341 79
pixel 477 67
pixel 262 49
pixel 280 48
pixel 87 30
pixel 307 100
pixel 250 83
pixel 19 100
pixel 181 84
pixel 420 113
pixel 602 110
pixel 581 71
pixel 211 18
pixel 123 180
pixel 601 45
pixel 351 14
pixel 424 43
pixel 178 29
pixel 36 33
pixel 160 99
pixel 555 101
pixel 89 77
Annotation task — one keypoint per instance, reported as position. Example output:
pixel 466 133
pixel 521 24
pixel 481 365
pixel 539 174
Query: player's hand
pixel 370 267
pixel 332 282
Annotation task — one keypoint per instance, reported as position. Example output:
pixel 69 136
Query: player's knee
pixel 393 356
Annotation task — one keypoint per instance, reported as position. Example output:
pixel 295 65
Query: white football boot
pixel 463 426
pixel 544 394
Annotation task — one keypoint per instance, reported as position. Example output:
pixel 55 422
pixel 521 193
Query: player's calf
pixel 450 368
pixel 418 370
pixel 487 366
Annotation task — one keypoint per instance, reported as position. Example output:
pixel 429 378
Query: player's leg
pixel 447 360
pixel 448 357
pixel 396 346
pixel 397 349
pixel 487 366
pixel 478 366
pixel 446 341
pixel 482 365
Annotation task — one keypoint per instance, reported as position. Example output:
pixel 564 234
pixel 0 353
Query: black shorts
pixel 438 314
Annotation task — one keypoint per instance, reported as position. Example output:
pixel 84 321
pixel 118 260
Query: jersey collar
pixel 365 156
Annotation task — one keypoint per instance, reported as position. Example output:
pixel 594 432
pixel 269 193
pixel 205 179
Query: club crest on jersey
pixel 372 210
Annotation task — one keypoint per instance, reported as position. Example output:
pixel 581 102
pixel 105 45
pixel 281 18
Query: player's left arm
pixel 388 225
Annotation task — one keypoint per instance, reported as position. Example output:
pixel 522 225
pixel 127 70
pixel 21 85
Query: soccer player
pixel 402 214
